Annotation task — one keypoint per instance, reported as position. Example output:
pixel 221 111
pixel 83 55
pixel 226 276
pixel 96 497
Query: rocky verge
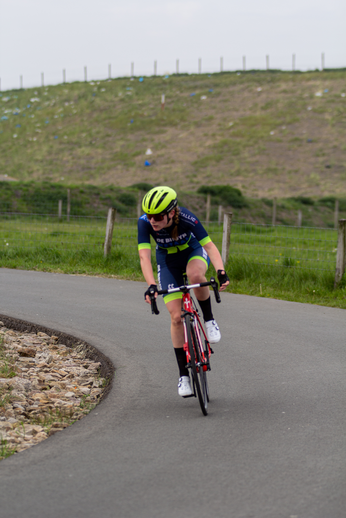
pixel 48 380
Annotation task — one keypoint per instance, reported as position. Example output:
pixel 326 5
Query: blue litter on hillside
pixel 309 140
pixel 166 77
pixel 147 163
pixel 56 136
pixel 191 95
pixel 211 90
pixel 4 118
pixel 131 121
pixel 29 106
pixel 18 126
pixel 326 91
pixel 141 79
pixel 94 95
pixel 46 122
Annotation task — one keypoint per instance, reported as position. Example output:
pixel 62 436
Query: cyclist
pixel 182 244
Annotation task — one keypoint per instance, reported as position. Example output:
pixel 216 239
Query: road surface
pixel 272 446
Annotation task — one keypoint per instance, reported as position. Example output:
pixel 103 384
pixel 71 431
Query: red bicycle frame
pixel 187 307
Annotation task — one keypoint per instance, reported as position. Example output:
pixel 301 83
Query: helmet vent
pixel 151 199
pixel 161 199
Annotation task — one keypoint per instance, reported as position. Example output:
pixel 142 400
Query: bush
pixel 303 199
pixel 329 201
pixel 224 194
pixel 127 199
pixel 142 186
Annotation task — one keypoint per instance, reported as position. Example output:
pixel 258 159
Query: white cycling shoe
pixel 184 387
pixel 213 332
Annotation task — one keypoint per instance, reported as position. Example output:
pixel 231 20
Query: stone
pixel 27 351
pixel 50 380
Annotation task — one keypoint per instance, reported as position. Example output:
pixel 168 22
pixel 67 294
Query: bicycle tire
pixel 199 376
pixel 203 373
pixel 205 348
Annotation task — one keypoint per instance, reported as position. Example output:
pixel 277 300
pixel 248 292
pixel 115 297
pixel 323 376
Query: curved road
pixel 272 446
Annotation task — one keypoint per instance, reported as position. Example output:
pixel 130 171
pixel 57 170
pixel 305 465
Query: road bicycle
pixel 196 346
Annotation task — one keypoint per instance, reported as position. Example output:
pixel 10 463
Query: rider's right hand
pixel 152 291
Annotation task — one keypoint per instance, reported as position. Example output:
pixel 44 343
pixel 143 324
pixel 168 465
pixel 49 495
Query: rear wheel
pixel 199 376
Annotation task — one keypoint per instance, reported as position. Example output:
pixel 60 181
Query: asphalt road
pixel 272 446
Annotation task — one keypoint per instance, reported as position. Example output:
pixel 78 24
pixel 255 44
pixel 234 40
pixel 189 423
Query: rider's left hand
pixel 223 279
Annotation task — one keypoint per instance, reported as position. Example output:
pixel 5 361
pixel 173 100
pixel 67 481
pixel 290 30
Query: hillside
pixel 266 133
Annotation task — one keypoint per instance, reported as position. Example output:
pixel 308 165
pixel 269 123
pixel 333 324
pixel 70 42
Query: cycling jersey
pixel 191 234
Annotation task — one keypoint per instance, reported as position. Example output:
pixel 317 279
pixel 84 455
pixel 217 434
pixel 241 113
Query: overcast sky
pixel 48 36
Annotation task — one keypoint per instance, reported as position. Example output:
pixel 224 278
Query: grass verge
pixel 276 281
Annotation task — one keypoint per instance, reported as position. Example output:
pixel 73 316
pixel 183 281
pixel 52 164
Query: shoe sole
pixel 213 342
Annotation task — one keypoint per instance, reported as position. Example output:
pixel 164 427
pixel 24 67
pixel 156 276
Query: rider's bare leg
pixel 177 329
pixel 196 270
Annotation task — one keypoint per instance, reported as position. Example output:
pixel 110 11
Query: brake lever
pixel 154 308
pixel 215 287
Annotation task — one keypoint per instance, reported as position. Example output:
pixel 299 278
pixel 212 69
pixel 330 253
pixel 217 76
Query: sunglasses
pixel 156 217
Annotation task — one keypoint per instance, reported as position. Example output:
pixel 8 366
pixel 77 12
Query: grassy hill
pixel 266 133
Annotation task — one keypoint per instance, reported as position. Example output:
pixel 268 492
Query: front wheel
pixel 199 376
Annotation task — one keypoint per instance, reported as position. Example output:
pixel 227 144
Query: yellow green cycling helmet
pixel 159 200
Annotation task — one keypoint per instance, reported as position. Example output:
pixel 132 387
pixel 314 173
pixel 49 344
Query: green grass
pixel 6 365
pixel 278 262
pixel 5 449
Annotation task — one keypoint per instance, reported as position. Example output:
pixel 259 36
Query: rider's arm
pixel 147 269
pixel 216 259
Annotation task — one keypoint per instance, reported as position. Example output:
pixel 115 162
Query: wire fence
pixel 281 245
pixel 286 246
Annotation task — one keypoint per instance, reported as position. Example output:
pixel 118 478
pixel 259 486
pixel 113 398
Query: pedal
pixel 191 395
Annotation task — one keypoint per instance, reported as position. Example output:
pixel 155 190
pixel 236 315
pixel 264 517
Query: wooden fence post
pixel 341 253
pixel 336 214
pixel 109 230
pixel 226 237
pixel 207 219
pixel 274 213
pixel 139 204
pixel 68 204
pixel 60 210
pixel 64 76
pixel 132 69
pixel 300 217
pixel 85 74
pixel 199 65
pixel 155 68
pixel 177 66
pixel 267 62
pixel 220 214
pixel 244 63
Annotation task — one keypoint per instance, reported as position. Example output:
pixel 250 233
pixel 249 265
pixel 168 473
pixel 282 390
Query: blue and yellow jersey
pixel 191 234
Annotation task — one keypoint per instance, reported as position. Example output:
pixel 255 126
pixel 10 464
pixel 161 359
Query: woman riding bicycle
pixel 182 245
